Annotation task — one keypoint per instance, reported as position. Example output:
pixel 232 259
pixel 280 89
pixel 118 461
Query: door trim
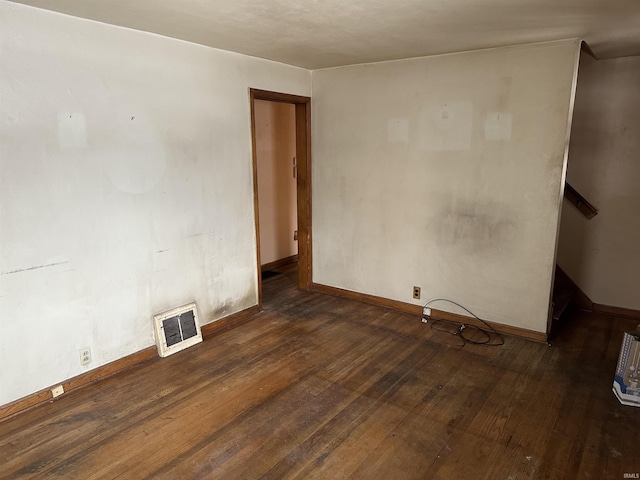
pixel 303 182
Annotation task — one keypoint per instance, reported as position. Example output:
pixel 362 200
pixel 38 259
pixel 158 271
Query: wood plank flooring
pixel 318 387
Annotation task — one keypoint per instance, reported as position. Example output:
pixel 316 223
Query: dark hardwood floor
pixel 321 387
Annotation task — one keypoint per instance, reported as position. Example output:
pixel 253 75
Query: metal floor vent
pixel 177 329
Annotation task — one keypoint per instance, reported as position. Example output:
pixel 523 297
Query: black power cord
pixel 489 337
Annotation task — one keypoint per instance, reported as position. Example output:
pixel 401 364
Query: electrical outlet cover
pixel 85 356
pixel 57 391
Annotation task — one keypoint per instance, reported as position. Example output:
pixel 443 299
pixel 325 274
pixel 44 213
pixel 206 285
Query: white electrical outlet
pixel 57 391
pixel 85 356
pixel 426 311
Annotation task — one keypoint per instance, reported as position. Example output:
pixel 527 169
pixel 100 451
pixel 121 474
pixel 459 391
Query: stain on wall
pixel 473 228
pixel 466 207
pixel 126 188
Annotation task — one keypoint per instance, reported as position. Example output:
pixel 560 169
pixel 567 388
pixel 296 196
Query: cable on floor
pixel 467 333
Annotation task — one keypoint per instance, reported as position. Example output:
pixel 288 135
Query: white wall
pixel 125 188
pixel 444 172
pixel 602 255
pixel 275 129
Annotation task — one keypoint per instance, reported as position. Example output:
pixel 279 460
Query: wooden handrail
pixel 579 202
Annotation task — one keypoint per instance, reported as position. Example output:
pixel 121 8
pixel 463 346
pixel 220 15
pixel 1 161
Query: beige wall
pixel 444 172
pixel 275 150
pixel 602 255
pixel 126 188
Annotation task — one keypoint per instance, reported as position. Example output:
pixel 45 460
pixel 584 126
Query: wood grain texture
pixel 303 154
pixel 322 387
pixel 435 313
pixel 42 396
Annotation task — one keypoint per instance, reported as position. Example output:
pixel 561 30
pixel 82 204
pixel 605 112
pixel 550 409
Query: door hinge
pixel 295 167
pixel 295 235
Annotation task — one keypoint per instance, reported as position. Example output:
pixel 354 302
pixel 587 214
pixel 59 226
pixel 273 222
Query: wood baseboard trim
pixel 229 322
pixel 583 302
pixel 618 311
pixel 435 314
pixel 43 396
pixel 30 401
pixel 280 263
pixel 370 299
pixel 502 329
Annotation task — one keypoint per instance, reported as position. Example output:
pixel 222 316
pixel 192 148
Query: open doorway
pixel 280 126
pixel 275 138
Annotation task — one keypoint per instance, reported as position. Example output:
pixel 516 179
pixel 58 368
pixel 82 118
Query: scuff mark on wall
pixel 231 305
pixel 466 209
pixel 37 267
pixel 109 207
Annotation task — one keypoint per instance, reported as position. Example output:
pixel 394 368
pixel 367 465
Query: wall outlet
pixel 85 356
pixel 416 292
pixel 57 391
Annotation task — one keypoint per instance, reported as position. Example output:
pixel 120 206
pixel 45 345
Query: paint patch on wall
pixel 497 126
pixel 72 130
pixel 446 127
pixel 398 130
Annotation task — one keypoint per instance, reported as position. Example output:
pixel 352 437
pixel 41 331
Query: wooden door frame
pixel 303 181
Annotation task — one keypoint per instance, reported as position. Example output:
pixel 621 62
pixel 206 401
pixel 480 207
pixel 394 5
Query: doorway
pixel 301 113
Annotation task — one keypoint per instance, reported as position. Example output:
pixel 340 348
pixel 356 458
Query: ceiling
pixel 326 33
